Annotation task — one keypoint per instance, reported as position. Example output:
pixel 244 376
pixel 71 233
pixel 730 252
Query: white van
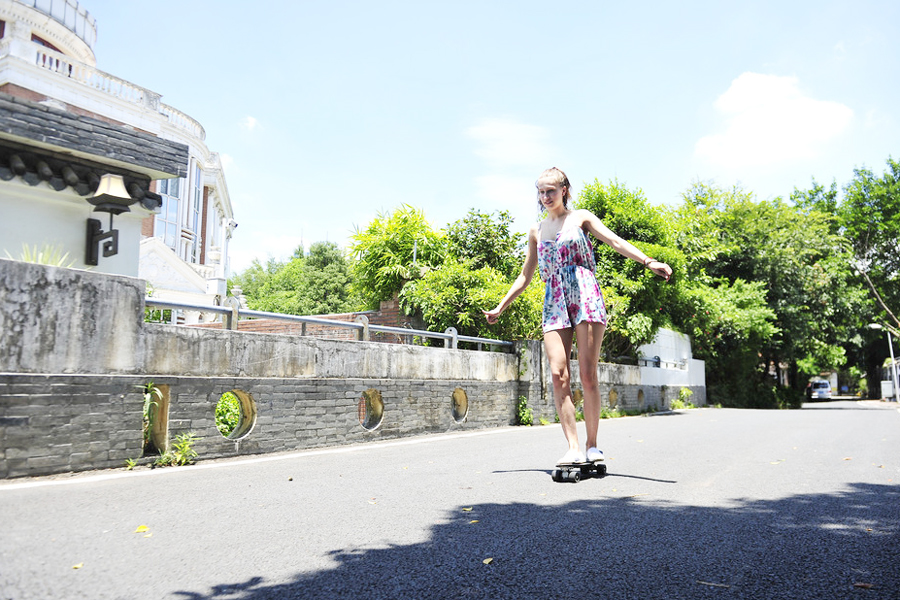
pixel 819 390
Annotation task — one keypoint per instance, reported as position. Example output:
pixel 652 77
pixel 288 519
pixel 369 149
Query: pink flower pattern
pixel 571 295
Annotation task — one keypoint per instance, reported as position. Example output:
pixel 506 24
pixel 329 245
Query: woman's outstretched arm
pixel 518 286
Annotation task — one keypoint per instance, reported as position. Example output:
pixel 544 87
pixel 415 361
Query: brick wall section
pixel 147 226
pixel 62 423
pixel 55 424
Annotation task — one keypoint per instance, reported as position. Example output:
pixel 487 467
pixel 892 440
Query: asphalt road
pixel 707 503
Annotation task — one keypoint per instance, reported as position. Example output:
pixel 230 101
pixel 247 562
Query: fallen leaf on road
pixel 488 561
pixel 78 566
pixel 469 509
pixel 865 586
pixel 142 529
pixel 473 521
pixel 848 458
pixel 709 583
pixel 149 535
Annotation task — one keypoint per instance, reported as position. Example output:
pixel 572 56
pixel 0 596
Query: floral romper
pixel 567 268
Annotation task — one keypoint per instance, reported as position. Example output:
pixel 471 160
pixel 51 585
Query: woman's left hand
pixel 661 269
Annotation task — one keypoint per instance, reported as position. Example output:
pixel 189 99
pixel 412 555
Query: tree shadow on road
pixel 842 545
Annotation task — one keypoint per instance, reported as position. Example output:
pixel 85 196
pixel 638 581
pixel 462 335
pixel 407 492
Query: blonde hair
pixel 559 178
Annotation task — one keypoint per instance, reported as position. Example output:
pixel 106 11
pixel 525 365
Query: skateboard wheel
pixel 575 476
pixel 556 475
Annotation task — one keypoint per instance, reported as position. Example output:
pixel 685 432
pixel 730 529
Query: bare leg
pixel 590 337
pixel 558 345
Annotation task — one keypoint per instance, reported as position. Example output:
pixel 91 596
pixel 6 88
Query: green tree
pixel 794 253
pixel 868 216
pixel 393 249
pixel 253 278
pixel 870 219
pixel 638 302
pixel 454 295
pixel 728 322
pixel 304 285
pixel 483 257
pixel 483 240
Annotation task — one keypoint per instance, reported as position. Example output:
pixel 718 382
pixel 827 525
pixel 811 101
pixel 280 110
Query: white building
pixel 669 361
pixel 61 112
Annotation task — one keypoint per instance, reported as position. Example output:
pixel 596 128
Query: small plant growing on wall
pixel 524 415
pixel 182 452
pixel 152 395
pixel 683 399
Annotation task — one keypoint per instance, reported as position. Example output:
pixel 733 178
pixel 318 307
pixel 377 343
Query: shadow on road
pixel 608 474
pixel 842 545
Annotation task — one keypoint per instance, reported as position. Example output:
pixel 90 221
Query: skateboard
pixel 577 471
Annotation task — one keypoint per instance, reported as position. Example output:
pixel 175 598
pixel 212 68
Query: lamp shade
pixel 111 195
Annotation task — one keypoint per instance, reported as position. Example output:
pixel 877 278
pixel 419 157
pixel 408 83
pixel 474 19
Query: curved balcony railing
pixel 59 63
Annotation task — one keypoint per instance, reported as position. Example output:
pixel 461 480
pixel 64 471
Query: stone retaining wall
pixel 75 355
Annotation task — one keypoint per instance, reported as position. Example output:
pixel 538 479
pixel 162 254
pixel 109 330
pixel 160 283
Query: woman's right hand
pixel 492 315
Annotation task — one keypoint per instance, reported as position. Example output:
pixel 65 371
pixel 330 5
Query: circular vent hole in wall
pixel 459 405
pixel 578 399
pixel 613 398
pixel 371 409
pixel 235 414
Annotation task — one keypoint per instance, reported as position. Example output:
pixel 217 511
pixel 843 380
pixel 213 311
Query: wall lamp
pixel 111 197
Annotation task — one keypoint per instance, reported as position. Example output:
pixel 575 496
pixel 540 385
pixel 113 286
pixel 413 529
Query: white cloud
pixel 503 190
pixel 840 50
pixel 249 123
pixel 504 142
pixel 768 120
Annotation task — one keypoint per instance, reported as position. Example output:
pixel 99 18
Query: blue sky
pixel 327 113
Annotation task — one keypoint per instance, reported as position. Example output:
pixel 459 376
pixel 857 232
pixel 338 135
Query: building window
pixel 2 29
pixel 44 43
pixel 196 210
pixel 167 220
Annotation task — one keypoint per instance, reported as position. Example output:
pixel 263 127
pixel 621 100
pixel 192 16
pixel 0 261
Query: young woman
pixel 573 304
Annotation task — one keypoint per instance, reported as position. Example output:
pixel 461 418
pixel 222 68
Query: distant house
pixel 64 125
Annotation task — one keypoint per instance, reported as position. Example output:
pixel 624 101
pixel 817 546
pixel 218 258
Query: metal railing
pixel 657 362
pixel 231 316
